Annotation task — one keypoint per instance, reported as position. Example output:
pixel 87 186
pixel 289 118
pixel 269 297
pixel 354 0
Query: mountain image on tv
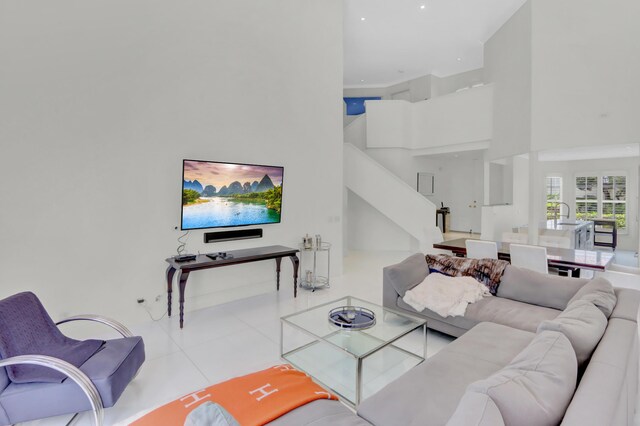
pixel 228 194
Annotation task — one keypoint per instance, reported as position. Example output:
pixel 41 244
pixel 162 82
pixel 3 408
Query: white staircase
pixel 390 195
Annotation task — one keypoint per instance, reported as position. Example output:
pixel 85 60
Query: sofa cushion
pixel 522 316
pixel 537 386
pixel 430 392
pixel 608 378
pixel 476 409
pixel 493 309
pixel 322 412
pixel 532 287
pixel 583 324
pixel 599 292
pixel 626 304
pixel 461 321
pixel 407 274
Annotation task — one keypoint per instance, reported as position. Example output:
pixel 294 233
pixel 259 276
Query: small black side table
pixel 234 257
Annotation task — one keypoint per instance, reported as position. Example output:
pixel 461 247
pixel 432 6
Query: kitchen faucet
pixel 557 211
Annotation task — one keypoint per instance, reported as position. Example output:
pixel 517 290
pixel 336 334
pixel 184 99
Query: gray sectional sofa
pixel 545 350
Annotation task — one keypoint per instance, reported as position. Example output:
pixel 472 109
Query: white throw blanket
pixel 444 295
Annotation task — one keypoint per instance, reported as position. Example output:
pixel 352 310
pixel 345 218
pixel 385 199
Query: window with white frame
pixel 553 188
pixel 602 196
pixel 614 199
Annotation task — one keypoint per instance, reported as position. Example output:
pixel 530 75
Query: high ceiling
pixel 403 39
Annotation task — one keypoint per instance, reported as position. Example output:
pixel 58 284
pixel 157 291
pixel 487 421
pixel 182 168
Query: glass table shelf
pixel 352 363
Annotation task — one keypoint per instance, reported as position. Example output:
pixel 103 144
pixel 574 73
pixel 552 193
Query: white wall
pixel 371 230
pixel 356 132
pixel 521 178
pixel 363 218
pixel 417 89
pixel 444 85
pixel 99 103
pixel 586 64
pixel 390 195
pixel 445 121
pixel 459 185
pixel 458 182
pixel 389 124
pixel 422 88
pixel 456 118
pixel 507 64
pixel 496 183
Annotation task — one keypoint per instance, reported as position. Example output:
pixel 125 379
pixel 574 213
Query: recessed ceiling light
pixel 361 81
pixel 422 6
pixel 363 19
pixel 459 59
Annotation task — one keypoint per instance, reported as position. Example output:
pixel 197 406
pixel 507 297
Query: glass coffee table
pixel 352 363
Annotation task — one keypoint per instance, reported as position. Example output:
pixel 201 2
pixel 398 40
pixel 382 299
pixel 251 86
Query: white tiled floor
pixel 237 338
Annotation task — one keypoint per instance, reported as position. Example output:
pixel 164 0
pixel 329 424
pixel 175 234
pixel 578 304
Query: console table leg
pixel 296 265
pixel 183 283
pixel 278 261
pixel 170 272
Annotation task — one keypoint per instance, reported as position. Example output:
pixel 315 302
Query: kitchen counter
pixel 565 225
pixel 578 232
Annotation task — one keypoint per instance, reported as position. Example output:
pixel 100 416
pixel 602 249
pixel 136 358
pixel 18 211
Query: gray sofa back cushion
pixel 537 386
pixel 539 289
pixel 599 292
pixel 626 304
pixel 608 386
pixel 583 324
pixel 407 274
pixel 321 412
pixel 476 409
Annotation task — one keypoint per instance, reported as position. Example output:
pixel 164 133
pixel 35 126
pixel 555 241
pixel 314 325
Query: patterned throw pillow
pixel 487 271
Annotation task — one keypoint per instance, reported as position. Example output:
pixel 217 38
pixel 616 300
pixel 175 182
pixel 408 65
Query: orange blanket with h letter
pixel 254 399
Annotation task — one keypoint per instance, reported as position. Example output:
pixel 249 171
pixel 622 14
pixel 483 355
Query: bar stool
pixel 529 257
pixel 477 249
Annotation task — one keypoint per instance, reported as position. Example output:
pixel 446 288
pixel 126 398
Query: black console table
pixel 235 257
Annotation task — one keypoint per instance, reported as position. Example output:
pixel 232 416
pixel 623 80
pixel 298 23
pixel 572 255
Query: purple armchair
pixel 43 373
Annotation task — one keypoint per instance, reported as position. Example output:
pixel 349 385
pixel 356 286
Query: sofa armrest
pixel 403 276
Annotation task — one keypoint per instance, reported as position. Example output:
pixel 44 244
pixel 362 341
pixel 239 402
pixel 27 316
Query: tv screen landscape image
pixel 217 195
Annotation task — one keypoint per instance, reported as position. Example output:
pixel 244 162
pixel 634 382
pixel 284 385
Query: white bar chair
pixel 477 249
pixel 554 241
pixel 529 257
pixel 515 237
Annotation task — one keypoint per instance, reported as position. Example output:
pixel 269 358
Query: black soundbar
pixel 239 234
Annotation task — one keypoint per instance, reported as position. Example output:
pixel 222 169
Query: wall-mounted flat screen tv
pixel 218 195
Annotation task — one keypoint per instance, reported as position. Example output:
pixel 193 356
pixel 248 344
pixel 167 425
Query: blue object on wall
pixel 355 106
